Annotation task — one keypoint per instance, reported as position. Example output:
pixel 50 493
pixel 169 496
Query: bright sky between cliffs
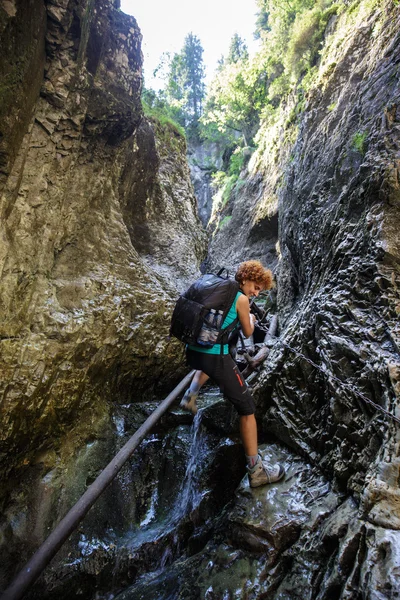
pixel 164 26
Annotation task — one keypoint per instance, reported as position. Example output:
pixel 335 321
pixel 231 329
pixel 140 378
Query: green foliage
pixel 184 89
pixel 224 222
pixel 278 89
pixel 236 162
pixel 155 107
pixel 237 50
pixel 228 188
pixel 262 25
pixel 226 184
pixel 229 183
pixel 304 43
pixel 358 141
pixel 234 100
pixel 209 131
pixel 246 92
pixel 192 75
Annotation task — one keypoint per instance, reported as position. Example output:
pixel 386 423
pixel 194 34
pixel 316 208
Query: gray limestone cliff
pixel 324 195
pixel 98 234
pixel 99 231
pixel 204 158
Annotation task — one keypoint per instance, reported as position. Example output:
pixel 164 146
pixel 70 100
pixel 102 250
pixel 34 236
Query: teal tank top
pixel 230 317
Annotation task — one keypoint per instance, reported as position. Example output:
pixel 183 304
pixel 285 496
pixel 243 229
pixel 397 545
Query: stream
pixel 180 521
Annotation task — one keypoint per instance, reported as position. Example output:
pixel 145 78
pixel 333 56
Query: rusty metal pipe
pixel 36 565
pixel 255 361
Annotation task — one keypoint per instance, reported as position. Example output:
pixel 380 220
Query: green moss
pixel 230 183
pixel 224 222
pixel 165 120
pixel 306 39
pixel 358 142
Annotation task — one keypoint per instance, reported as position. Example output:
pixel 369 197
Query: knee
pixel 248 418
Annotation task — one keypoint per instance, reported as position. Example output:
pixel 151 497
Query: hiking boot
pixel 188 402
pixel 263 473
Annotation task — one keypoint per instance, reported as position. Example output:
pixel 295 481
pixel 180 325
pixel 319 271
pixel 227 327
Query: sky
pixel 165 24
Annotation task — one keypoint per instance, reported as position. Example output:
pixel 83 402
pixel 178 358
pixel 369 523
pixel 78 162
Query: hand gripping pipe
pixel 28 575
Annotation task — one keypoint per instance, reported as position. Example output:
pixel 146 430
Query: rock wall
pixel 338 277
pixel 98 233
pixel 246 227
pixel 339 271
pixel 96 222
pixel 204 159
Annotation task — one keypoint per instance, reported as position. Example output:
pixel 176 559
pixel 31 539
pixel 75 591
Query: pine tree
pixel 185 88
pixel 237 50
pixel 193 75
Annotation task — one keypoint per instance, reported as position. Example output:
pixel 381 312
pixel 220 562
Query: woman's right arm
pixel 246 319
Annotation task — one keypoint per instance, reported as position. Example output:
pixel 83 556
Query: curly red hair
pixel 253 270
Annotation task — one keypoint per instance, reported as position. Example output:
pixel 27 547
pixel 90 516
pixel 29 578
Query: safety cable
pixel 334 378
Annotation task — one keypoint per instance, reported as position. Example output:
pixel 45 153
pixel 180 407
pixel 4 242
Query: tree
pixel 184 88
pixel 233 100
pixel 193 75
pixel 229 103
pixel 237 50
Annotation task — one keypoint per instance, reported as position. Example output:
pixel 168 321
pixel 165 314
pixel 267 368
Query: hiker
pixel 216 363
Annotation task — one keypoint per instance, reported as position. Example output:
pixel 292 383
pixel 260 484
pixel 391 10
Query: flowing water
pixel 159 522
pixel 159 509
pixel 190 494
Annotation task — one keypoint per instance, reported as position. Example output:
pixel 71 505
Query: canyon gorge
pixel 103 225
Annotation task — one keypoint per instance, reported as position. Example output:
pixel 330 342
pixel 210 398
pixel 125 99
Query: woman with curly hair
pixel 216 363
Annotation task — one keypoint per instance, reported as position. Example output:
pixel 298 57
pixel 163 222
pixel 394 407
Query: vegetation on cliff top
pixel 181 101
pixel 249 95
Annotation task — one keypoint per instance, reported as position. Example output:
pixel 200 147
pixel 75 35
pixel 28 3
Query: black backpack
pixel 193 307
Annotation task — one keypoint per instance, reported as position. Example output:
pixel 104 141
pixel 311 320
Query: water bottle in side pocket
pixel 206 335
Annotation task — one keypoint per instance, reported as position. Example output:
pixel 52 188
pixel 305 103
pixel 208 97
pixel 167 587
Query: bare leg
pixel 188 401
pixel 260 473
pixel 198 381
pixel 248 434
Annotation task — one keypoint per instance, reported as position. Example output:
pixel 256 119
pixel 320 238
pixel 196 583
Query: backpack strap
pixel 227 332
pixel 219 274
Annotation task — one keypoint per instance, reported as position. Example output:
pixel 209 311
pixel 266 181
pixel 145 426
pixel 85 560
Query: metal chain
pixel 337 380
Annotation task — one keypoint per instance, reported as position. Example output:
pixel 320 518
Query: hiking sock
pixel 252 460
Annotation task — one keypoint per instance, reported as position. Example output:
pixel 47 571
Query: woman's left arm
pixel 246 319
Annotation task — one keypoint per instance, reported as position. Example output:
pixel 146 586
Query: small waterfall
pixel 188 497
pixel 191 493
pixel 151 513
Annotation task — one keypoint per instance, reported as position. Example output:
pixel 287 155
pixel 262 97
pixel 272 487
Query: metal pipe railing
pixel 28 575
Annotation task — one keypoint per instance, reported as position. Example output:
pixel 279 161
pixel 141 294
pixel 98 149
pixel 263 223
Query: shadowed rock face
pixel 338 281
pixel 97 218
pixel 204 159
pixel 98 227
pixel 339 272
pixel 339 264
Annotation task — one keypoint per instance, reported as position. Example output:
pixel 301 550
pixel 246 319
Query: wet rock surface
pixel 186 524
pixel 163 505
pixel 247 227
pixel 99 232
pixel 203 160
pixel 98 235
pixel 277 541
pixel 338 288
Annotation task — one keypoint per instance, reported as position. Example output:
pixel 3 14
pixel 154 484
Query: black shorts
pixel 223 370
